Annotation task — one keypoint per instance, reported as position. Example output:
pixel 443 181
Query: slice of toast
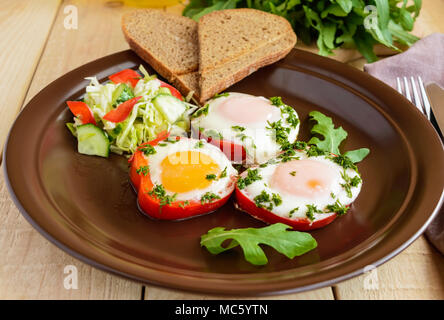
pixel 234 43
pixel 168 43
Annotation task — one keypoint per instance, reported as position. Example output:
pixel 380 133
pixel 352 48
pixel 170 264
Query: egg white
pixel 221 186
pixel 290 202
pixel 260 145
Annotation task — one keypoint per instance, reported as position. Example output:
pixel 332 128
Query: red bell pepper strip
pixel 301 224
pixel 126 76
pixel 173 90
pixel 122 111
pixel 82 111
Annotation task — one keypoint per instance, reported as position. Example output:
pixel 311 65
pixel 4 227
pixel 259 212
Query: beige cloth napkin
pixel 426 59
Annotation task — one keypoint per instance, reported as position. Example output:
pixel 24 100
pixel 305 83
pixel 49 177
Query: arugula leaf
pixel 325 127
pixel 346 5
pixel 364 43
pixel 197 13
pixel 289 243
pixel 332 139
pixel 357 155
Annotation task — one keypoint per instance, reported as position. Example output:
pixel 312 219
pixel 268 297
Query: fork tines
pixel 421 101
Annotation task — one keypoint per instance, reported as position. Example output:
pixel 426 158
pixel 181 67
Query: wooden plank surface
pixel 30 21
pixel 33 268
pixel 157 293
pixel 416 273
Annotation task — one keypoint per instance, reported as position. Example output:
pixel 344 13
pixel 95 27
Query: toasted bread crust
pixel 208 92
pixel 211 74
pixel 137 40
pixel 216 77
pixel 186 79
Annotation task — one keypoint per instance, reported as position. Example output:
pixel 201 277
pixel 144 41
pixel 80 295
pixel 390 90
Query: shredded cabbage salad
pixel 146 120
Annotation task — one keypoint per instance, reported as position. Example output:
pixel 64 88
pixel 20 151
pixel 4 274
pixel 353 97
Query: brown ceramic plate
pixel 86 206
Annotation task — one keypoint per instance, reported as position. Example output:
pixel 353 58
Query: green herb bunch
pixel 332 24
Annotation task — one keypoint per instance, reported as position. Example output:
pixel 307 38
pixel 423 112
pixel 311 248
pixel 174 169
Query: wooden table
pixel 35 49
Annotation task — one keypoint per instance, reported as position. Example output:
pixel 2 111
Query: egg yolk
pixel 304 178
pixel 185 171
pixel 245 109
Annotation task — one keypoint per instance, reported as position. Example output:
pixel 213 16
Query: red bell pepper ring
pixel 234 152
pixel 126 76
pixel 122 111
pixel 173 90
pixel 301 224
pixel 82 111
pixel 160 136
pixel 150 204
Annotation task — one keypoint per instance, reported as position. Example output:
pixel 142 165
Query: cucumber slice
pixel 71 128
pixel 92 141
pixel 163 90
pixel 169 106
pixel 121 94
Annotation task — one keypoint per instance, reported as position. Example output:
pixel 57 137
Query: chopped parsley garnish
pixel 349 183
pixel 147 149
pixel 288 155
pixel 281 133
pixel 293 173
pixel 199 144
pixel 276 101
pixel 238 128
pixel 162 144
pixel 223 174
pixel 183 204
pixel 271 161
pixel 339 208
pixel 211 176
pixel 211 133
pixel 277 200
pixel 218 95
pixel 159 192
pixel 332 195
pixel 344 162
pixel 314 151
pixel 292 119
pixel 252 176
pixel 300 145
pixel 201 111
pixel 290 214
pixel 311 210
pixel 171 140
pixel 143 170
pixel 243 137
pixel 208 197
pixel 263 198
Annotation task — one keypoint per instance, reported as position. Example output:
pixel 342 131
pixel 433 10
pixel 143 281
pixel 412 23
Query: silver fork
pixel 421 101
